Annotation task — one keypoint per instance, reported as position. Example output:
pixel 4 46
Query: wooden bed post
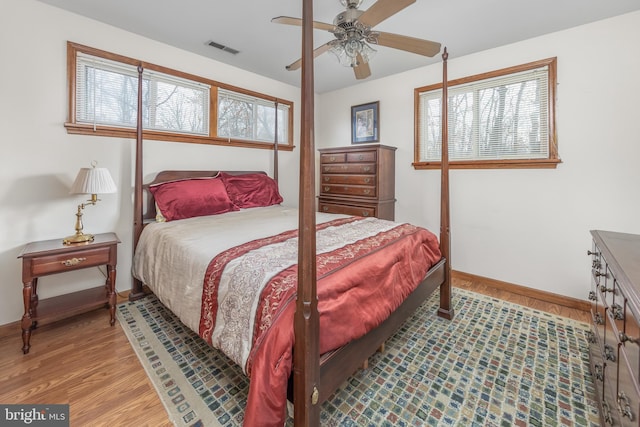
pixel 446 308
pixel 306 352
pixel 136 287
pixel 275 147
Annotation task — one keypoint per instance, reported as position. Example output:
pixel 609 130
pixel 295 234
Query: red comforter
pixel 359 285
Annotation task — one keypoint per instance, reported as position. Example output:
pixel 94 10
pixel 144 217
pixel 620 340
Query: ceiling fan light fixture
pixel 347 51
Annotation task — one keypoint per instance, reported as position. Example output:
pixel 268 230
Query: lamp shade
pixel 93 181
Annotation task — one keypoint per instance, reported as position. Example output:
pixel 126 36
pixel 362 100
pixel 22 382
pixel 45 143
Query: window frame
pixel 550 162
pixel 73 127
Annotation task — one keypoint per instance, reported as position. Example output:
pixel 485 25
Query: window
pixel 247 117
pixel 176 106
pixel 495 120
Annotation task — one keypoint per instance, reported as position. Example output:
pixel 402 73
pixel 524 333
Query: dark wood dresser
pixel 615 335
pixel 358 180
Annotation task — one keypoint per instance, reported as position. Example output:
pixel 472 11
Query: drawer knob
pixel 618 314
pixel 599 320
pixel 326 179
pixel 326 188
pixel 592 253
pixel 360 157
pixel 365 213
pixel 332 158
pixel 367 168
pixel 367 191
pixel 367 180
pixel 325 208
pixel 607 413
pixel 592 296
pixel 599 274
pixel 73 261
pixel 624 338
pixel 624 405
pixel 605 290
pixel 608 353
pixel 599 371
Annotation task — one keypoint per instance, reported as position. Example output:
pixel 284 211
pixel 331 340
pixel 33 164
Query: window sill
pixel 80 129
pixel 492 164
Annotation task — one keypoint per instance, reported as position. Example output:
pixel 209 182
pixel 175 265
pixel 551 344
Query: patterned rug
pixel 495 364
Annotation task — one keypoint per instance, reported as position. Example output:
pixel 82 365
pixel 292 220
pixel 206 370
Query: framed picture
pixel 365 123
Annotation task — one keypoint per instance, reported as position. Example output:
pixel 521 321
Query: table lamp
pixel 92 181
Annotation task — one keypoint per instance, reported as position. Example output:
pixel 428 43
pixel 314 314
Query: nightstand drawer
pixel 44 265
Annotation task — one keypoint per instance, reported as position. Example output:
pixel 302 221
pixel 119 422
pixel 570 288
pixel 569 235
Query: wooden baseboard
pixel 549 297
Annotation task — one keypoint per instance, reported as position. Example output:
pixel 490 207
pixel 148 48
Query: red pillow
pixel 192 197
pixel 251 190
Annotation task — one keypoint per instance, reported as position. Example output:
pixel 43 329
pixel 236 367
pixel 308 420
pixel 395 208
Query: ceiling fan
pixel 353 35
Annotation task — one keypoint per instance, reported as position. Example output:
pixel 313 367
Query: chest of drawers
pixel 615 333
pixel 358 180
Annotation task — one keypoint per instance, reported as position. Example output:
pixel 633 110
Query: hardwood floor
pixel 90 365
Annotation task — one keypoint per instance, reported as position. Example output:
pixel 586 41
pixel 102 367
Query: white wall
pixel 529 227
pixel 40 160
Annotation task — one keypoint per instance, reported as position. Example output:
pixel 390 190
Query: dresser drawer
pixel 349 190
pixel 349 179
pixel 333 158
pixel 629 335
pixel 44 265
pixel 363 156
pixel 627 400
pixel 361 168
pixel 365 211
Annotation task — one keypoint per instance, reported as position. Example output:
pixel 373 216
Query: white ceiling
pixel 463 26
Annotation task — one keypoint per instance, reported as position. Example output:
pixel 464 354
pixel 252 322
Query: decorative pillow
pixel 251 190
pixel 191 197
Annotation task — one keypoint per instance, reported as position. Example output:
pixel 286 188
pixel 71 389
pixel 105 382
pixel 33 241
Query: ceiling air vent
pixel 223 47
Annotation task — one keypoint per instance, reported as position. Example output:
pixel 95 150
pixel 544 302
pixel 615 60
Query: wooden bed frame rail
pixel 316 377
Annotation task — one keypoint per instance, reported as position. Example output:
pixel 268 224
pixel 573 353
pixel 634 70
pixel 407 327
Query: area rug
pixel 495 364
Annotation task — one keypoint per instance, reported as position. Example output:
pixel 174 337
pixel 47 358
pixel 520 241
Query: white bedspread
pixel 184 249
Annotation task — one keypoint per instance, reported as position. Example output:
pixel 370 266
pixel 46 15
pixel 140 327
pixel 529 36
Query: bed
pixel 313 320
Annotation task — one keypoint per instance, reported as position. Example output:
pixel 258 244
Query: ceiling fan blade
pixel 381 10
pixel 316 52
pixel 288 20
pixel 410 44
pixel 362 70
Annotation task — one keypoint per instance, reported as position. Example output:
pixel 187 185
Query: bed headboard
pixel 149 213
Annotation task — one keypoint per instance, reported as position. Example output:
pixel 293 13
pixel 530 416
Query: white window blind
pixel 248 117
pixel 106 94
pixel 501 118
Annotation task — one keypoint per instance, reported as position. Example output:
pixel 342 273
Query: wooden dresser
pixel 615 335
pixel 358 180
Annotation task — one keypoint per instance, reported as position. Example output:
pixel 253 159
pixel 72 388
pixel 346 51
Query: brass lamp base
pixel 78 238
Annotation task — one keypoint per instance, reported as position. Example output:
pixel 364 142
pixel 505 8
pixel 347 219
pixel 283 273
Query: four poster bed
pixel 322 292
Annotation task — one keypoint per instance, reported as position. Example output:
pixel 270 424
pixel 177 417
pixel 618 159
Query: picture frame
pixel 365 123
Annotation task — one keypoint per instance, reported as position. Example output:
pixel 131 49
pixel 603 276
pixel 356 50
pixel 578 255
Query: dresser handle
pixel 599 274
pixel 599 372
pixel 326 179
pixel 365 213
pixel 607 413
pixel 73 261
pixel 367 180
pixel 591 337
pixel 326 188
pixel 624 405
pixel 618 314
pixel 325 208
pixel 367 169
pixel 624 338
pixel 592 253
pixel 608 353
pixel 599 319
pixel 367 191
pixel 332 158
pixel 592 296
pixel 605 290
pixel 596 265
pixel 360 157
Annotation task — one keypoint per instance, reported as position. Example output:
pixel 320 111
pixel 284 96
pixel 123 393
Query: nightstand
pixel 51 257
